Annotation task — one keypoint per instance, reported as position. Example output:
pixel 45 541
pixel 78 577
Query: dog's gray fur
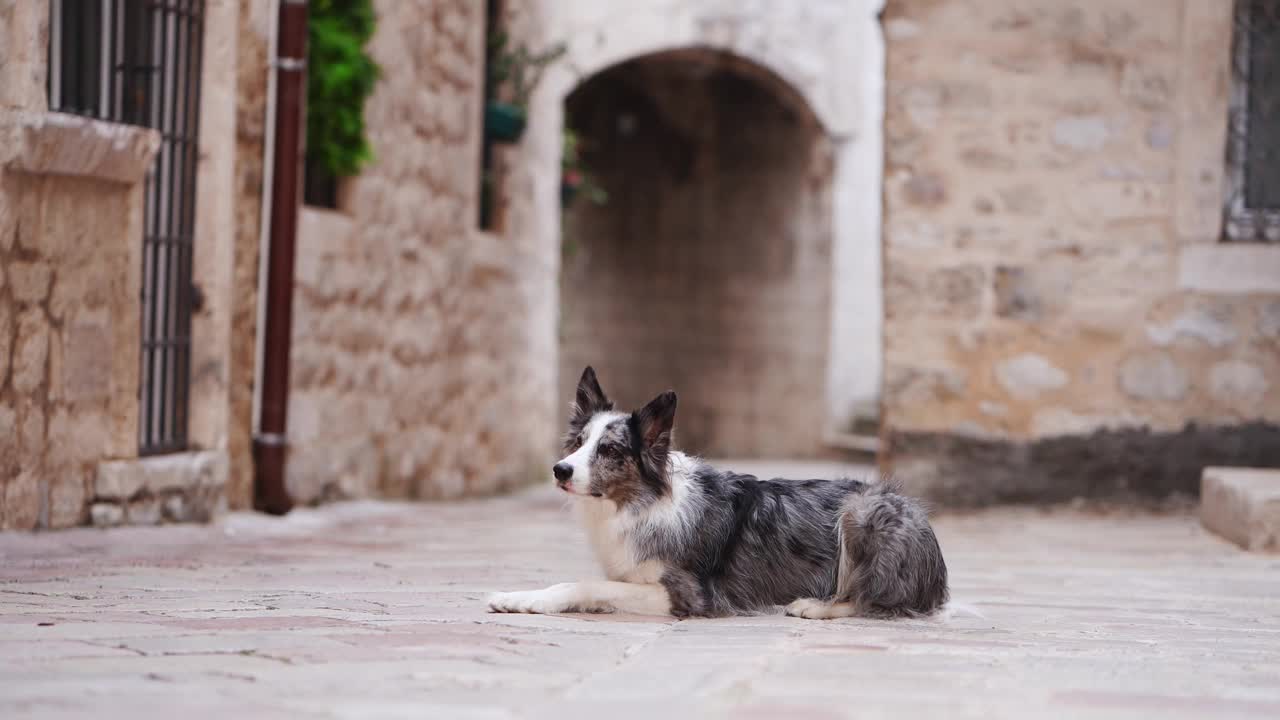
pixel 730 544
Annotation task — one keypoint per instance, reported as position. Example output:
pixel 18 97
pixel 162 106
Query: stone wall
pixel 1058 305
pixel 418 369
pixel 708 268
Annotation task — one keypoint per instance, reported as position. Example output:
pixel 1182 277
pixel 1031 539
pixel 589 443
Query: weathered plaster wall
pixel 417 366
pixel 1053 202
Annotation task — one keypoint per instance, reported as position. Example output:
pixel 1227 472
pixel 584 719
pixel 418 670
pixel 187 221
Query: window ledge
pixel 61 144
pixel 1231 268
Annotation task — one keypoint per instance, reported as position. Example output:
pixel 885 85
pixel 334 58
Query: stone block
pixel 1028 375
pixel 1211 325
pixel 32 436
pixel 1243 506
pixel 1237 381
pixel 926 190
pixel 1029 293
pixel 6 318
pixel 106 514
pixel 31 350
pixel 67 497
pixel 1154 376
pixel 58 144
pixel 20 509
pixel 1230 268
pixel 1160 133
pixel 29 281
pixel 8 430
pixel 1268 319
pixel 86 371
pixel 1082 133
pixel 143 511
pixel 911 386
pixel 174 508
pixel 124 479
pixel 953 291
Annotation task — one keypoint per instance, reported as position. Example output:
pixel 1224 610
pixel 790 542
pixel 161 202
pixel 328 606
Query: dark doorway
pixel 707 269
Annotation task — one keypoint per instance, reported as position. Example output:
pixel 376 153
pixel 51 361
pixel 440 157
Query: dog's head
pixel 615 455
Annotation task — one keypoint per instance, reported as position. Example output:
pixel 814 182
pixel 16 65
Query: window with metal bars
pixel 1253 127
pixel 138 62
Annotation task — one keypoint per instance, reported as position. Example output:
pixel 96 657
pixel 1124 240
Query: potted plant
pixel 574 179
pixel 513 74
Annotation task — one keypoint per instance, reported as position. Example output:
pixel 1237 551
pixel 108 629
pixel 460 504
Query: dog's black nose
pixel 562 471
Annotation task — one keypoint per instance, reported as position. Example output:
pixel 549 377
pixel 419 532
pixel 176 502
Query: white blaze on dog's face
pixel 580 460
pixel 615 455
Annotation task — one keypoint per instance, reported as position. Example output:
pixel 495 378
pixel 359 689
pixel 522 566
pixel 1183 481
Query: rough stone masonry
pixel 1061 315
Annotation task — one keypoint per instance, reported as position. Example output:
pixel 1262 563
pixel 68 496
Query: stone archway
pixel 707 270
pixel 822 60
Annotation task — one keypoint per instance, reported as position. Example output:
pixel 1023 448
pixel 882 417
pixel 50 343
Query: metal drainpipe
pixel 270 443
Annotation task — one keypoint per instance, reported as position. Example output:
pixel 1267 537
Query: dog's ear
pixel 656 420
pixel 653 424
pixel 590 398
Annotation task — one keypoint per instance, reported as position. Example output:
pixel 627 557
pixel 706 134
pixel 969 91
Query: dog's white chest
pixel 608 539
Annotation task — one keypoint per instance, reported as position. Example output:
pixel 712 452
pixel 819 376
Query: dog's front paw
pixel 807 608
pixel 813 609
pixel 542 602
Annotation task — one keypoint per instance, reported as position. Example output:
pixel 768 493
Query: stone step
pixel 1242 505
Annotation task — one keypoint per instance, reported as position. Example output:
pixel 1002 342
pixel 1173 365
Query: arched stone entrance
pixel 822 60
pixel 708 268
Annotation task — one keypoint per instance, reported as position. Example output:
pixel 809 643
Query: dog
pixel 677 537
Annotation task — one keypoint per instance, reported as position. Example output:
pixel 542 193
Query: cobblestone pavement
pixel 370 610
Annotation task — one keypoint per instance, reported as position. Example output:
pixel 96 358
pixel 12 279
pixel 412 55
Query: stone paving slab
pixel 372 610
pixel 1242 505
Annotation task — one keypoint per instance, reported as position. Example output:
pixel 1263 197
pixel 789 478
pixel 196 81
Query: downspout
pixel 270 442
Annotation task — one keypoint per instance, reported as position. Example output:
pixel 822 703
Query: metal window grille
pixel 138 62
pixel 1253 150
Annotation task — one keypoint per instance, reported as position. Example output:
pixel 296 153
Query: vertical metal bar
pixel 71 69
pixel 180 55
pixel 180 200
pixel 153 397
pixel 169 119
pixel 55 54
pixel 195 80
pixel 110 110
pixel 91 57
pixel 165 120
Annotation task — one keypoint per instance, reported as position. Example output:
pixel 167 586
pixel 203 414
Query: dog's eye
pixel 611 450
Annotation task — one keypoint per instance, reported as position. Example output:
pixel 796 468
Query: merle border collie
pixel 678 537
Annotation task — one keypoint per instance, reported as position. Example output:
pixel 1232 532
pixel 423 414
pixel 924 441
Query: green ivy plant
pixel 340 78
